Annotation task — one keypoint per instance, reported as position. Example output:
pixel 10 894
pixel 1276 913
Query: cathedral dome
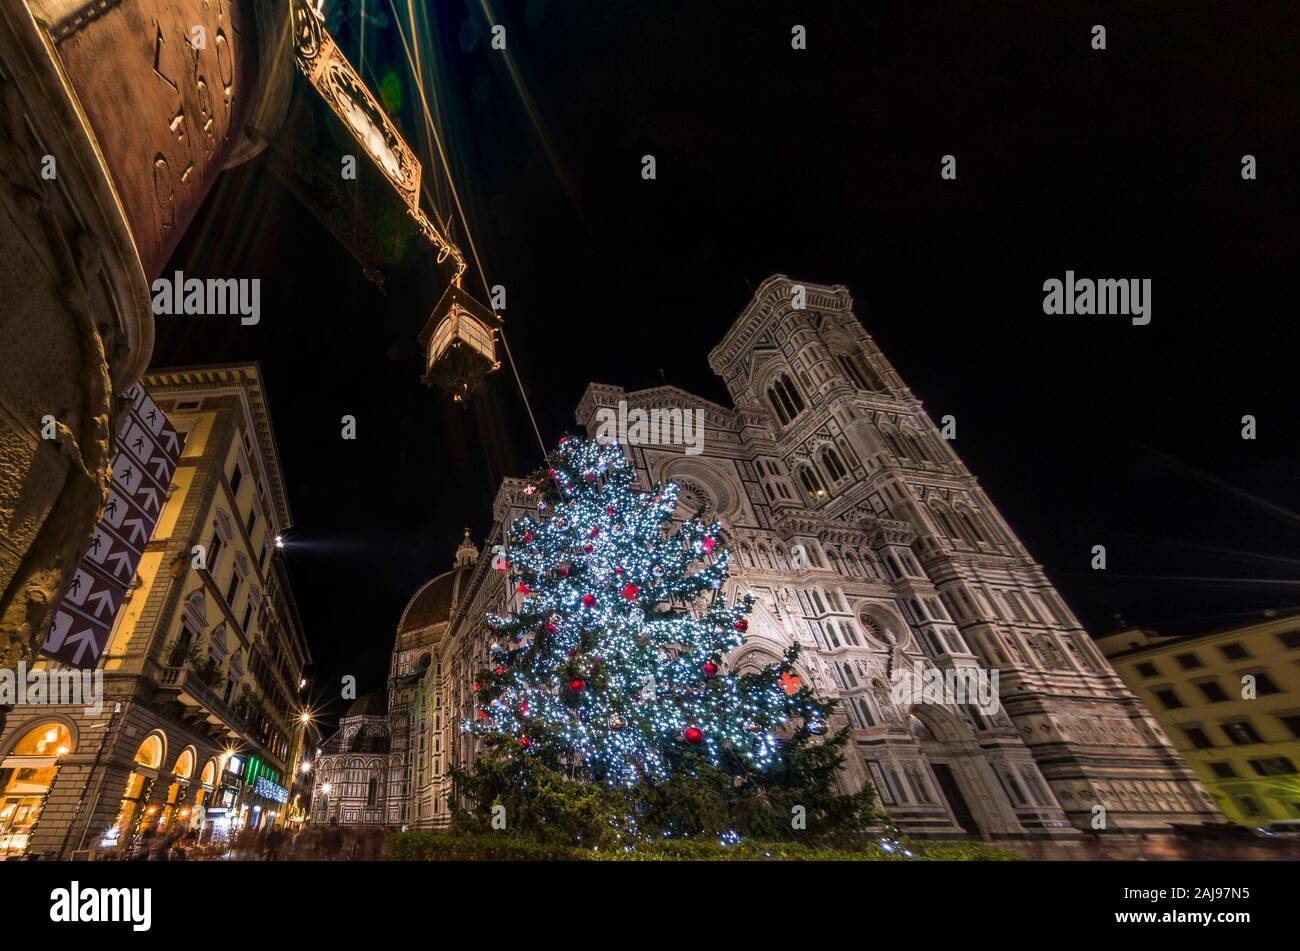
pixel 373 704
pixel 434 603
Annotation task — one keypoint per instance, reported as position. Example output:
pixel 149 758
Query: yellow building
pixel 1229 699
pixel 202 672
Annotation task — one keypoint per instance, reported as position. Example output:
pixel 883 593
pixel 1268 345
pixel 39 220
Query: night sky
pixel 823 165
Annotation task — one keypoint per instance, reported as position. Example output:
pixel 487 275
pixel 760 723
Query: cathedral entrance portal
pixel 949 750
pixel 956 801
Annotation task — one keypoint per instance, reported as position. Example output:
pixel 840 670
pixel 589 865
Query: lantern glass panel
pixel 476 335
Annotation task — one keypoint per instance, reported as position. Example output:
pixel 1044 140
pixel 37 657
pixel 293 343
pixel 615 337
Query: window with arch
pixel 812 484
pixel 858 370
pixel 785 399
pixel 833 465
pixel 945 522
pixel 894 443
pixel 972 525
pixel 25 780
pixel 175 808
pixel 134 815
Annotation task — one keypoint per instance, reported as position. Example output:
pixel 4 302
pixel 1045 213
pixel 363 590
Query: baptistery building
pixel 866 541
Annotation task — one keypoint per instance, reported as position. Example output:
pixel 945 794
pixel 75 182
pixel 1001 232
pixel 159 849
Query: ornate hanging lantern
pixel 459 341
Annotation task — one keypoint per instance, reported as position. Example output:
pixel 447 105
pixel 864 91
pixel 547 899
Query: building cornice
pixel 772 299
pixel 245 381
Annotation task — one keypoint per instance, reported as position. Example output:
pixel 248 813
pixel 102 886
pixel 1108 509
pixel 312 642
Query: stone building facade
pixel 201 676
pixel 1229 698
pixel 869 543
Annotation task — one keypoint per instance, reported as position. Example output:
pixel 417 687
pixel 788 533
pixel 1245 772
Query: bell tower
pixel 863 452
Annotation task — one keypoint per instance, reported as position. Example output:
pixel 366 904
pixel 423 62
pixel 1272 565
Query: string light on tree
pixel 611 661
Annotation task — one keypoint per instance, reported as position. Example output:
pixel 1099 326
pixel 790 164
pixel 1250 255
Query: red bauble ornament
pixel 577 684
pixel 610 510
pixel 693 735
pixel 590 477
pixel 742 625
pixel 630 591
pixel 483 714
pixel 525 742
pixel 523 707
pixel 563 570
pixel 588 549
pixel 528 536
pixel 588 600
pixel 500 670
pixel 710 668
pixel 551 473
pixel 594 531
pixel 523 588
pixel 709 543
pixel 550 628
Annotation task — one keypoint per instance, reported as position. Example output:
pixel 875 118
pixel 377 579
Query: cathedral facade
pixel 866 541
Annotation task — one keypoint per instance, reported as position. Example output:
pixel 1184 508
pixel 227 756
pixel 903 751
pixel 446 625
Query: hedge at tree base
pixel 505 847
pixel 793 800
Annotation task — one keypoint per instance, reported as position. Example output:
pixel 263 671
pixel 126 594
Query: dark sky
pixel 824 165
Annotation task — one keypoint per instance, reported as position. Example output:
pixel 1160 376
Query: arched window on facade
pixel 175 809
pixel 894 443
pixel 972 524
pixel 915 446
pixel 812 484
pixel 785 399
pixel 833 465
pixel 860 372
pixel 945 522
pixel 26 776
pixel 134 815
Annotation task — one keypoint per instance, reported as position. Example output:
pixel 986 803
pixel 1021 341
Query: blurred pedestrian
pixel 274 842
pixel 332 839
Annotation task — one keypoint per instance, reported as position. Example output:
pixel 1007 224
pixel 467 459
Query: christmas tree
pixel 610 669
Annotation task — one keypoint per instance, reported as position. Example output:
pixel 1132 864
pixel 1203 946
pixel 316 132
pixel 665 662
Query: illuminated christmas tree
pixel 610 669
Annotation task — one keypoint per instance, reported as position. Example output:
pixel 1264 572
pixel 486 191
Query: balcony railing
pixel 191 691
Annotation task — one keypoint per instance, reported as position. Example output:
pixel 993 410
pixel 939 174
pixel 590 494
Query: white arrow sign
pixel 122 566
pixel 84 639
pixel 102 601
pixel 162 469
pixel 148 499
pixel 138 530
